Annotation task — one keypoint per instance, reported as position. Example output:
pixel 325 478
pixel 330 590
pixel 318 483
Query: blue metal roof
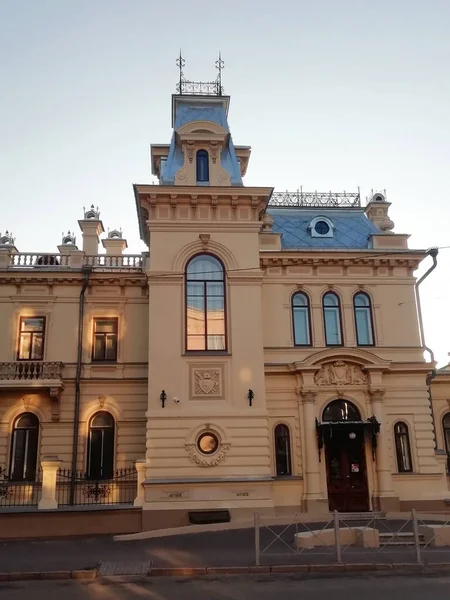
pixel 186 113
pixel 351 228
pixel 196 110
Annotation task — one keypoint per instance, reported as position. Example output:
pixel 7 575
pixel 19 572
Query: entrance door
pixel 346 472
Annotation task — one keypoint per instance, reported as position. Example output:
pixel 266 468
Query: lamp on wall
pixel 250 396
pixel 163 398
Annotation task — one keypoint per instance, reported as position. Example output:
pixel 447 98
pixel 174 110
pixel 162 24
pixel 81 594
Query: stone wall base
pixel 385 504
pixel 424 505
pixel 65 523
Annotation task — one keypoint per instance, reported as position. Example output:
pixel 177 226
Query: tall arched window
pixel 341 410
pixel 301 319
pixel 363 320
pixel 402 448
pixel 202 166
pixel 24 448
pixel 282 450
pixel 446 427
pixel 205 304
pixel 100 455
pixel 332 320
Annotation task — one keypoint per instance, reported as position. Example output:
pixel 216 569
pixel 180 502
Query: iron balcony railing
pixel 30 370
pixel 316 199
pixel 50 261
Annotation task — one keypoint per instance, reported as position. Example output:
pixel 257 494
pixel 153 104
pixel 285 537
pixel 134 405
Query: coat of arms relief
pixel 207 382
pixel 340 373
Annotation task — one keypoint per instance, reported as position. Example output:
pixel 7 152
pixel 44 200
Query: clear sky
pixel 330 95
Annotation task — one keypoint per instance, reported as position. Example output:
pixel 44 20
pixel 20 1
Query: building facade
pixel 265 354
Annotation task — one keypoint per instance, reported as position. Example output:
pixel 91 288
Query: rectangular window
pixel 363 327
pixel 332 326
pixel 301 326
pixel 105 340
pixel 205 316
pixel 31 338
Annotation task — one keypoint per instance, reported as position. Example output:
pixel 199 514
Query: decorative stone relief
pixel 205 461
pixel 340 373
pixel 55 396
pixel 214 150
pixel 206 381
pixel 376 395
pixel 309 397
pixel 204 238
pixel 190 150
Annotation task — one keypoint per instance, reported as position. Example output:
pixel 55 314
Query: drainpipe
pixel 86 272
pixel 433 252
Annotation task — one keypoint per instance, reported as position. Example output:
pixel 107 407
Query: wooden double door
pixel 346 471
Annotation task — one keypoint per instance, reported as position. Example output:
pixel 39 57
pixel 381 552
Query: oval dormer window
pixel 322 227
pixel 202 166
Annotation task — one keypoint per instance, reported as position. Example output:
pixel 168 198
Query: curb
pixel 48 575
pixel 86 574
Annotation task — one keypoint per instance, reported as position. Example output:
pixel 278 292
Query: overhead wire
pixel 358 258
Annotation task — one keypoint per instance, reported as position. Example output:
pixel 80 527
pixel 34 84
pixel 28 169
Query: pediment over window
pixel 201 128
pixel 357 356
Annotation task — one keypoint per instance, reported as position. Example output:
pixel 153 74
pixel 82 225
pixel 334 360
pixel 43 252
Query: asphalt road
pixel 237 588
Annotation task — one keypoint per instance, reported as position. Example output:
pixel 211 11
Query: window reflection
pixel 205 304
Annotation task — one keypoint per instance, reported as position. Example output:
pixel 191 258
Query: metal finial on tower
pixel 180 62
pixel 219 66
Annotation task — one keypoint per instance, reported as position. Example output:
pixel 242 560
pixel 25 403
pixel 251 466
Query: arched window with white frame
pixel 301 319
pixel 332 319
pixel 363 319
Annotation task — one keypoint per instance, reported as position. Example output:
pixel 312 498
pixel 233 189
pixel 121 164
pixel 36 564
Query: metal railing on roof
pixel 316 199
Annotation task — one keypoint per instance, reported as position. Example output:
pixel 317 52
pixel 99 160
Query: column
pixel 50 466
pixel 141 466
pixel 312 466
pixel 383 467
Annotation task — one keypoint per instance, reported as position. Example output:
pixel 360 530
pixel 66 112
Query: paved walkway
pixel 236 588
pixel 213 549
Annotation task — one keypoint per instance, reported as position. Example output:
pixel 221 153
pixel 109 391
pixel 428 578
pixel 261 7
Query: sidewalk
pixel 233 548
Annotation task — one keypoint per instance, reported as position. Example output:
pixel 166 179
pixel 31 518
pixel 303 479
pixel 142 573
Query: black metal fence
pixel 121 488
pixel 19 493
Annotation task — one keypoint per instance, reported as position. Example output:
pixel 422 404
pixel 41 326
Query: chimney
pixel 114 244
pixel 91 228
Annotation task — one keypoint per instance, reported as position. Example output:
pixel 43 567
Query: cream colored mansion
pixel 265 353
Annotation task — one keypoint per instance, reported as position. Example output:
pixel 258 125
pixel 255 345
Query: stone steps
pixel 404 538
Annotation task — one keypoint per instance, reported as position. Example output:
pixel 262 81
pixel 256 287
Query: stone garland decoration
pixel 203 461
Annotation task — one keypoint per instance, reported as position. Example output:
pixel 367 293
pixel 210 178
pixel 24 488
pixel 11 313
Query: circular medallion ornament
pixel 207 443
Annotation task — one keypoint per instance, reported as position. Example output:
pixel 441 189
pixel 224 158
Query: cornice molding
pixel 311 259
pixel 76 279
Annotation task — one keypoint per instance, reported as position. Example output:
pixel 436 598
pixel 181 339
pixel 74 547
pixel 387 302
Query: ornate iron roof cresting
pixel 200 88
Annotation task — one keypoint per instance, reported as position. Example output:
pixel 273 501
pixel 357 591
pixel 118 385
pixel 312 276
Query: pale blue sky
pixel 330 95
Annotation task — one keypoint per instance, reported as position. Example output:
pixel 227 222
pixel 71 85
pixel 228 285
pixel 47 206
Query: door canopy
pixel 342 415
